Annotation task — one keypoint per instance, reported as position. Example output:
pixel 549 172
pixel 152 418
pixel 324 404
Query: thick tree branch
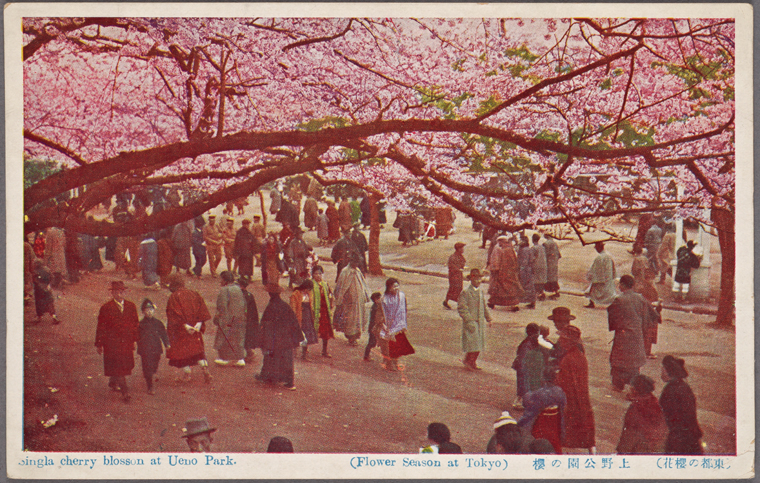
pixel 54 145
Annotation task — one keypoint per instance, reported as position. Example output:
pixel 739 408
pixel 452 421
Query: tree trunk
pixel 374 236
pixel 263 209
pixel 725 221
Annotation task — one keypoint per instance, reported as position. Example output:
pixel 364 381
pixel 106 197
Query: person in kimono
pixel 231 321
pixel 601 277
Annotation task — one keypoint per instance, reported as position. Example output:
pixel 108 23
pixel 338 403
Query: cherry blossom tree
pixel 517 122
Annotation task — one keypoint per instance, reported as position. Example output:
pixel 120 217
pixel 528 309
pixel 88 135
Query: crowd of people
pixel 552 377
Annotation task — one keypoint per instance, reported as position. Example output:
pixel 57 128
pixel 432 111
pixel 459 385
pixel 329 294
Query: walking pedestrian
pixel 628 315
pixel 474 313
pixel 644 428
pixel 529 364
pixel 552 266
pixel 526 260
pixel 322 300
pixel 679 407
pixel 243 249
pixel 301 303
pixel 186 315
pixel 351 295
pixel 686 260
pixel 251 318
pixel 117 334
pixel 44 301
pixel 375 323
pixel 456 266
pixel 504 284
pixel 545 410
pixel 150 346
pixel 279 335
pixel 572 377
pixel 182 241
pixel 214 241
pixel 393 340
pixel 198 244
pixel 148 261
pixel 540 268
pixel 601 277
pixel 231 322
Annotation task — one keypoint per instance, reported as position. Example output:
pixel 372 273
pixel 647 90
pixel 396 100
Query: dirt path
pixel 343 404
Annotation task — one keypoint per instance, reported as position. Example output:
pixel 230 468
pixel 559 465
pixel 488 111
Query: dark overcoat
pixel 117 333
pixel 628 316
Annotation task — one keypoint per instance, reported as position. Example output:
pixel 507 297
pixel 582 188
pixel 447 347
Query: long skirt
pixel 278 367
pixel 400 346
pixel 456 283
pixel 548 426
pixel 307 324
pixel 325 326
pixel 504 288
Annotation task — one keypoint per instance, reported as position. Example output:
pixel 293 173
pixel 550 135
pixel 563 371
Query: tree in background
pixel 518 123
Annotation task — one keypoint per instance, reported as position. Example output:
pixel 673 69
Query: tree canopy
pixel 522 122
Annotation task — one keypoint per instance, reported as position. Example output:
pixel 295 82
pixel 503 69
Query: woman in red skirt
pixel 393 341
pixel 544 411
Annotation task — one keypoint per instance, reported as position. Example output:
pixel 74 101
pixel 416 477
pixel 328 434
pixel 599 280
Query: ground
pixel 343 404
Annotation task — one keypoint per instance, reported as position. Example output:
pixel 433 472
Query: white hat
pixel 503 420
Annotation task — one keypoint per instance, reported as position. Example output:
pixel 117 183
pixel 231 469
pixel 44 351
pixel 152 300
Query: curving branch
pixel 254 141
pixel 317 40
pixel 54 145
pixel 603 62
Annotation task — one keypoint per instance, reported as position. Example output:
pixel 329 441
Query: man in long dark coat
pixel 182 239
pixel 628 316
pixel 116 336
pixel 251 319
pixel 310 211
pixel 360 242
pixel 456 265
pixel 572 377
pixel 279 334
pixel 244 249
pixel 198 245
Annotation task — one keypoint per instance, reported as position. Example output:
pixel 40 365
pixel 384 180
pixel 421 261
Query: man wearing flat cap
pixel 197 433
pixel 456 276
pixel 116 336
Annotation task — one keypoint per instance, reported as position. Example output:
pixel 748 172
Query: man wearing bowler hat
pixel 572 377
pixel 198 435
pixel 474 313
pixel 561 317
pixel 116 336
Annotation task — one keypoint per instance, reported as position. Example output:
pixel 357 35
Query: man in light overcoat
pixel 472 308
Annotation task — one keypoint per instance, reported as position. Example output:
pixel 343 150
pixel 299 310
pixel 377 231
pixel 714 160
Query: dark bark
pixel 66 216
pixel 158 157
pixel 725 223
